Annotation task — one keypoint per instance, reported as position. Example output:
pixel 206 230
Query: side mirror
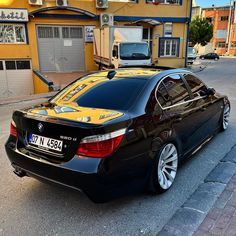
pixel 211 91
pixel 208 92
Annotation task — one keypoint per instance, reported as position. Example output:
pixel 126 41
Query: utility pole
pixel 229 26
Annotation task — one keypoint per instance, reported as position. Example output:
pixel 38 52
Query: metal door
pixel 61 48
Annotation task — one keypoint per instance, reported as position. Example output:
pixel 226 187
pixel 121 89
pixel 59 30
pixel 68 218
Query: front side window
pixel 176 89
pixel 162 96
pixel 197 86
pixel 134 51
pixel 11 33
pixel 169 47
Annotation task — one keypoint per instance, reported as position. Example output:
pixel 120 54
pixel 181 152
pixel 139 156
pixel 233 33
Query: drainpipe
pixel 187 38
pixel 229 28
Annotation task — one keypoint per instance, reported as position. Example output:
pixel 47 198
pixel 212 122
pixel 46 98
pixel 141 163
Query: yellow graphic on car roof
pixel 76 113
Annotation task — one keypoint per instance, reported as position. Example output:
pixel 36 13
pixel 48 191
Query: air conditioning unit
pixel 62 3
pixel 36 2
pixel 101 4
pixel 106 19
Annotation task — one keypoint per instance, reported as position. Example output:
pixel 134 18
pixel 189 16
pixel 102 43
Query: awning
pixel 148 21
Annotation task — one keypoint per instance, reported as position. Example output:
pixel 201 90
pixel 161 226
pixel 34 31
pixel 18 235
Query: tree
pixel 201 31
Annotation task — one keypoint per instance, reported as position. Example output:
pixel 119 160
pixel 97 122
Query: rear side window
pixel 197 86
pixel 176 89
pixel 114 94
pixel 163 96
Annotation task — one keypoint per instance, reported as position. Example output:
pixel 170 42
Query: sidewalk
pixel 211 209
pixel 10 100
pixel 221 220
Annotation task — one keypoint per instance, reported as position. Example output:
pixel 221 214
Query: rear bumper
pixel 86 175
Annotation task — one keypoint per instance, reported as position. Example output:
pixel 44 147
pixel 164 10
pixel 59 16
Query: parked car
pixel 119 132
pixel 211 56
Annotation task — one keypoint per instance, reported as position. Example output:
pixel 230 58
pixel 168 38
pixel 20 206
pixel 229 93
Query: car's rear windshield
pixel 117 94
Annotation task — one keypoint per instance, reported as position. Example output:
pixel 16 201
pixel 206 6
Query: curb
pixel 13 100
pixel 191 214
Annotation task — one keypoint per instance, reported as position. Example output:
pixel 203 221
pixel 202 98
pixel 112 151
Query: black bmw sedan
pixel 210 56
pixel 117 132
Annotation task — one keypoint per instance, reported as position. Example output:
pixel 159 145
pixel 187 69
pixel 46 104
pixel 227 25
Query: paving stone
pixel 221 221
pixel 207 224
pixel 204 197
pixel 214 213
pixel 231 156
pixel 223 199
pixel 184 222
pixel 222 173
pixel 231 230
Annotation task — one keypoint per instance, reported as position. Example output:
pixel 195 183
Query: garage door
pixel 61 48
pixel 15 78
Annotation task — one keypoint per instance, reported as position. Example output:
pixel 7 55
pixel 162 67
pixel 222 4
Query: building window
pixel 223 18
pixel 178 2
pixel 221 45
pixel 168 30
pixel 233 44
pixel 1 65
pixel 135 1
pixel 18 65
pixel 221 34
pixel 12 33
pixel 210 19
pixel 169 47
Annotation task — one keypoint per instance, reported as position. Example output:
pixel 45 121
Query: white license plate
pixel 48 143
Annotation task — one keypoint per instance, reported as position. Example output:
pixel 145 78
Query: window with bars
pixel 178 2
pixel 72 32
pixel 18 65
pixel 169 47
pixel 12 33
pixel 223 18
pixel 221 45
pixel 46 32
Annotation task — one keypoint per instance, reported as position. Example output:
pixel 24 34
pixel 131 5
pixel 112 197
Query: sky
pixel 208 3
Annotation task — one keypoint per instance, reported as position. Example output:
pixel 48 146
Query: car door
pixel 175 99
pixel 208 108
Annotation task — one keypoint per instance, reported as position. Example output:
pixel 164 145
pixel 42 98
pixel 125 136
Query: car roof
pixel 80 86
pixel 136 73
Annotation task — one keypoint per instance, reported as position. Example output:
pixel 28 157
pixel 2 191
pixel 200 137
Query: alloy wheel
pixel 167 167
pixel 226 116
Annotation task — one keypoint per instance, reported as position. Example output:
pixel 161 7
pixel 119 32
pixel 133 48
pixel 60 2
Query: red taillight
pixel 13 131
pixel 100 145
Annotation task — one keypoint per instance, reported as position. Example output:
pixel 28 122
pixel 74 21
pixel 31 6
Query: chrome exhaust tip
pixel 19 172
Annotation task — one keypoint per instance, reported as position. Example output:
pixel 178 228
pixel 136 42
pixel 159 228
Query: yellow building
pixel 56 36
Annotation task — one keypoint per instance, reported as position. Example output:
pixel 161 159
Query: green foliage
pixel 201 31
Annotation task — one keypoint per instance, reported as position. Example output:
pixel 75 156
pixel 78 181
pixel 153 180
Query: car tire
pixel 216 59
pixel 164 170
pixel 225 117
pixel 203 58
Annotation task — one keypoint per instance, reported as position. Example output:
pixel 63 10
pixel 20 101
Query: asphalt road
pixel 29 207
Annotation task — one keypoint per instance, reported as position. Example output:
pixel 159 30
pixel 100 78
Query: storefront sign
pixel 89 33
pixel 13 15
